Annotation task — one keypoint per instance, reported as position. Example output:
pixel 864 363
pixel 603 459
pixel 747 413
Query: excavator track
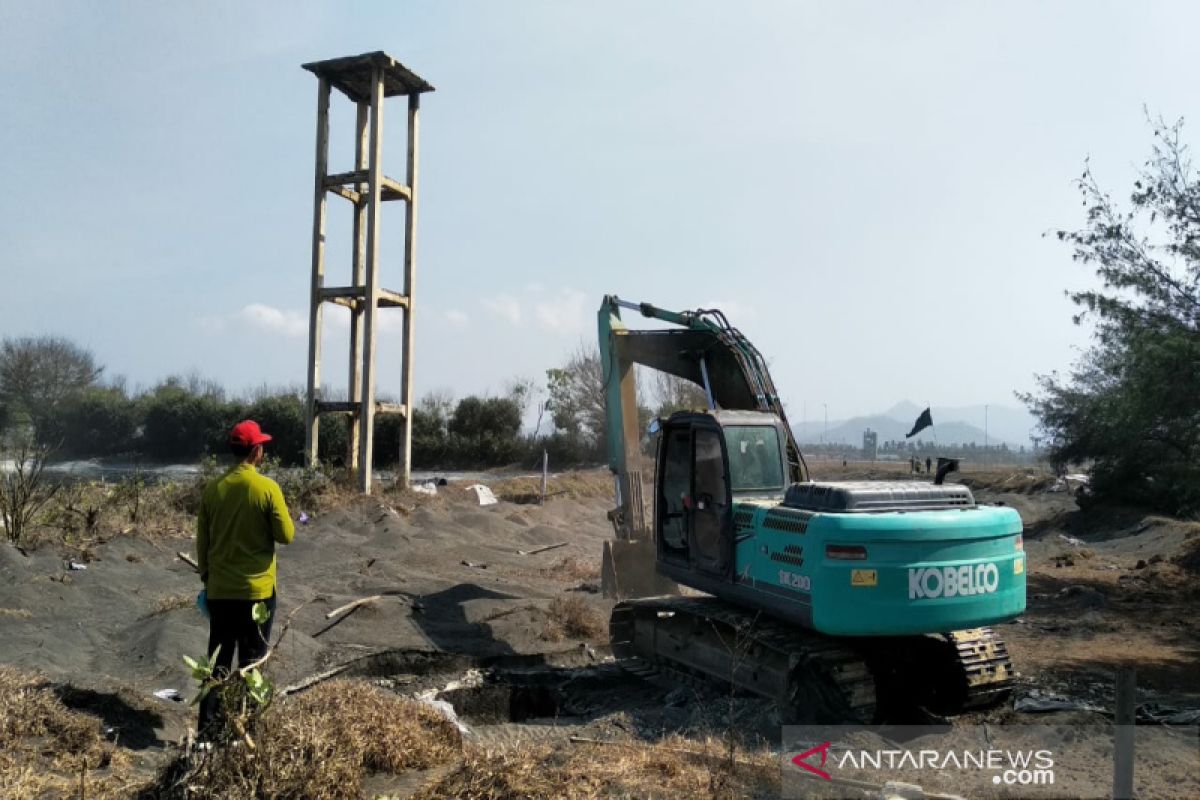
pixel 982 657
pixel 813 678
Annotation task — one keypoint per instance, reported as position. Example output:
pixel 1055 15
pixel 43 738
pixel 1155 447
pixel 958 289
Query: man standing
pixel 242 516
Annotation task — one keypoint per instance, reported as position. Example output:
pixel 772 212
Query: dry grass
pixel 571 617
pixel 1189 559
pixel 317 745
pixel 574 484
pixel 669 768
pixel 49 750
pixel 16 613
pixel 573 568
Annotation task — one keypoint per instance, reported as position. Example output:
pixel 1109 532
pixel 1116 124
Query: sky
pixel 865 188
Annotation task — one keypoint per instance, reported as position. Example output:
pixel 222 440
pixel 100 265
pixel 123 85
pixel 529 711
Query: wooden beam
pixel 410 282
pixel 366 449
pixel 349 194
pixel 313 419
pixel 391 408
pixel 332 293
pixel 354 407
pixel 388 298
pixel 358 267
pixel 391 299
pixel 389 189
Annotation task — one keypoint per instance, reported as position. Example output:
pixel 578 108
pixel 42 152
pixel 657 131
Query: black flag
pixel 924 421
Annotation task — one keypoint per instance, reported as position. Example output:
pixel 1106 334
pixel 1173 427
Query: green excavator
pixel 844 601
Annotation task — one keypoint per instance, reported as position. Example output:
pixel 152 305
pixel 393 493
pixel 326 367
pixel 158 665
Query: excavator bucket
pixel 627 570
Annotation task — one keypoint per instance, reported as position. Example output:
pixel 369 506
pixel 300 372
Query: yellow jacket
pixel 242 516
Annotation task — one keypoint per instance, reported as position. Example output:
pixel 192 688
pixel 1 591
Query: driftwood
pixel 313 680
pixel 362 601
pixel 537 550
pixel 189 560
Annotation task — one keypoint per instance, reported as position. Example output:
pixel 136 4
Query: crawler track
pixel 814 678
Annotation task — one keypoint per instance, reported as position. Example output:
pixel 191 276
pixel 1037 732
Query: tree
pixel 673 393
pixel 97 421
pixel 181 425
pixel 576 395
pixel 1129 406
pixel 39 373
pixel 431 419
pixel 486 430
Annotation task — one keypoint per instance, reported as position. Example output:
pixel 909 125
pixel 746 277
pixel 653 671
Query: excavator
pixel 843 601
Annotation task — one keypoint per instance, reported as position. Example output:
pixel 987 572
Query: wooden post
pixel 312 429
pixel 1123 733
pixel 545 473
pixel 366 413
pixel 410 277
pixel 354 385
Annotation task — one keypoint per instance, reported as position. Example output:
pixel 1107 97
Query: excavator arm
pixel 703 348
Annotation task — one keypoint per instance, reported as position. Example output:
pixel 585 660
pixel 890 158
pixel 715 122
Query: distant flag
pixel 924 421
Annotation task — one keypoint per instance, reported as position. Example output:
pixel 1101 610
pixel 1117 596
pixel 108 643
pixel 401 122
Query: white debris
pixel 447 711
pixel 429 487
pixel 75 565
pixel 1071 540
pixel 486 498
pixel 169 694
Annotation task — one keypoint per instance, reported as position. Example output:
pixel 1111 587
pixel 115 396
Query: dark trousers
pixel 231 627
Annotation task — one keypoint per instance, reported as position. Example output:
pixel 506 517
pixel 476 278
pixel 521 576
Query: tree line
pixel 53 390
pixel 1129 408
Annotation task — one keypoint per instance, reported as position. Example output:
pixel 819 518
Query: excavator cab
pixel 705 461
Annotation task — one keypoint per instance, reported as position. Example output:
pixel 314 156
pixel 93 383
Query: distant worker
pixel 242 516
pixel 928 464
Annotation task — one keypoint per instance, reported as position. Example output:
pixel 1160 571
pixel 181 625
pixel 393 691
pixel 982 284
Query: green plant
pixel 129 493
pixel 78 509
pixel 24 490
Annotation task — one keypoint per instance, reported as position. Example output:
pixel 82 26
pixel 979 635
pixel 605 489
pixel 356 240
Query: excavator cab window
pixel 675 489
pixel 755 464
pixel 710 511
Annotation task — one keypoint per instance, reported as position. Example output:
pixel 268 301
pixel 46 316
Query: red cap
pixel 247 434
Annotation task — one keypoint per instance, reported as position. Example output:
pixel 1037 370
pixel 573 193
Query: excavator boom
pixel 703 348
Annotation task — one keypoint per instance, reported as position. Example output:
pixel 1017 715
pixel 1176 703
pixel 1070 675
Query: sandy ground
pixel 462 607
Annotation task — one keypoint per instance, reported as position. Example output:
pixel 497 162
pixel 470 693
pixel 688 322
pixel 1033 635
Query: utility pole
pixel 985 427
pixel 825 436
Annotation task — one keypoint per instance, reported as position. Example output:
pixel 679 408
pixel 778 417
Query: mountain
pixel 952 425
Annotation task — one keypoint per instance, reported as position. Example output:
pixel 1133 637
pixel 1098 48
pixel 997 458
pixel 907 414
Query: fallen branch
pixel 537 550
pixel 242 671
pixel 313 680
pixel 189 560
pixel 362 601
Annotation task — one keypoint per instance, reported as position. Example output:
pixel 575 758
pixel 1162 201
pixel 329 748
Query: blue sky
pixel 864 187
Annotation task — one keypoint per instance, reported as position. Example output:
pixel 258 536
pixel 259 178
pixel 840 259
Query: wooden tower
pixel 367 80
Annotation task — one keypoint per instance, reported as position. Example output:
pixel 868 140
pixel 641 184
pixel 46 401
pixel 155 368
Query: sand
pixel 458 599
